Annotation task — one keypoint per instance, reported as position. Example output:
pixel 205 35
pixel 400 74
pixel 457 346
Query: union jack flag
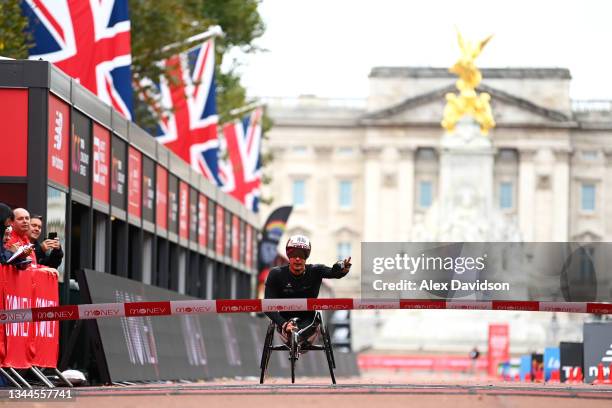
pixel 89 41
pixel 241 172
pixel 188 105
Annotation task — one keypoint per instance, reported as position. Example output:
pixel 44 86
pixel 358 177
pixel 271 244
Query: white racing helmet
pixel 298 243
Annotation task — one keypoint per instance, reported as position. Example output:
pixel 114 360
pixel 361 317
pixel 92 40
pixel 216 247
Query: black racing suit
pixel 282 284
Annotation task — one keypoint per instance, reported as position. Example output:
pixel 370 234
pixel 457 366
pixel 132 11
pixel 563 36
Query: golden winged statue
pixel 468 102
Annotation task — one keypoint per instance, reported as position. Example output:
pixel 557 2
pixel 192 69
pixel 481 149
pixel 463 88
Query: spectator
pixel 48 252
pixel 6 218
pixel 19 234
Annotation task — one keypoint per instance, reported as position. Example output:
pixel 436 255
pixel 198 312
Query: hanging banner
pixel 100 165
pixel 202 221
pixel 14 124
pixel 235 238
pixel 134 182
pixel 80 153
pixel 161 195
pixel 183 210
pixel 552 362
pixel 212 226
pixel 499 346
pixel 57 137
pixel 148 189
pixel 267 253
pixel 118 172
pixel 173 204
pixel 597 349
pixel 571 359
pixel 193 215
pixel 46 333
pixel 220 228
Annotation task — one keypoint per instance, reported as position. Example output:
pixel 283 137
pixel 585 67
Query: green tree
pixel 156 24
pixel 14 40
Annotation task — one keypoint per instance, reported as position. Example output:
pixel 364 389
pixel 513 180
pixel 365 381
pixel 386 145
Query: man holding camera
pixel 48 252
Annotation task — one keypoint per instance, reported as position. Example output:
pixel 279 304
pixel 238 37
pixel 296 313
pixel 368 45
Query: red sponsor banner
pixel 330 304
pixel 235 240
pixel 57 140
pixel 219 241
pixel 422 304
pixel 248 258
pixel 69 312
pixel 599 308
pixel 46 333
pixel 516 305
pixel 499 346
pixel 17 294
pixel 202 220
pixel 134 182
pixel 14 131
pixel 101 159
pixel 147 309
pixel 239 306
pixel 183 210
pixel 419 362
pixel 161 194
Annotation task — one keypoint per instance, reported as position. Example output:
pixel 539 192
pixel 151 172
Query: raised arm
pixel 337 271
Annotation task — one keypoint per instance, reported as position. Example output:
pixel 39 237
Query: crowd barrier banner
pixel 195 344
pixel 222 306
pixel 24 343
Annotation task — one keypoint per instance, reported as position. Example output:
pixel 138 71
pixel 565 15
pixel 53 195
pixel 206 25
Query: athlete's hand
pixel 346 265
pixel 288 327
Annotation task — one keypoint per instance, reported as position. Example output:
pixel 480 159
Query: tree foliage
pixel 156 24
pixel 14 40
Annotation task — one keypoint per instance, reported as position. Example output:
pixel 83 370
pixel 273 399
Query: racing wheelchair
pixel 296 344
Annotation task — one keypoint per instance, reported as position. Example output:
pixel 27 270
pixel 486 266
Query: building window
pixel 505 195
pixel 587 197
pixel 344 250
pixel 425 194
pixel 299 150
pixel 589 155
pixel 299 192
pixel 346 194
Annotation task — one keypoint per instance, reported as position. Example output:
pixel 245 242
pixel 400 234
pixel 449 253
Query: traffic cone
pixel 609 380
pixel 600 375
pixel 517 378
pixel 579 377
pixel 554 377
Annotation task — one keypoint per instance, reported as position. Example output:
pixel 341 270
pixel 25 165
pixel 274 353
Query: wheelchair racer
pixel 299 280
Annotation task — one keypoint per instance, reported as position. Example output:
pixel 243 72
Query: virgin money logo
pixel 14 316
pixel 238 309
pixel 332 307
pixel 284 308
pixel 148 311
pixel 101 313
pixel 193 309
pixel 58 315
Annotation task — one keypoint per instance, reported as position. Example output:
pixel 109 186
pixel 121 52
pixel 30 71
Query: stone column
pixel 561 191
pixel 526 199
pixel 371 192
pixel 405 192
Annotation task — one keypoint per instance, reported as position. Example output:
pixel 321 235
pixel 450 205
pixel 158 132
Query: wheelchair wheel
pixel 330 346
pixel 265 355
pixel 328 353
pixel 293 354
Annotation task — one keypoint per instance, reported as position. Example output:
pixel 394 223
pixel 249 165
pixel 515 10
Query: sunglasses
pixel 297 253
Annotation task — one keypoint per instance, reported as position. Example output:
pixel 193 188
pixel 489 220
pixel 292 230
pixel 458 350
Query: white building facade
pixel 368 170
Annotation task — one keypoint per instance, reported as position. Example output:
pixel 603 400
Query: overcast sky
pixel 328 47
